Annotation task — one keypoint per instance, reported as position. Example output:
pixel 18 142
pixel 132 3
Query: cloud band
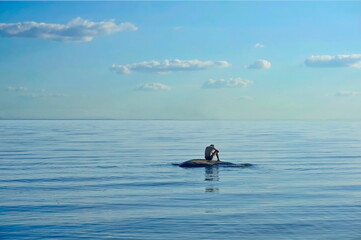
pixel 77 30
pixel 153 87
pixel 227 83
pixel 342 60
pixel 167 66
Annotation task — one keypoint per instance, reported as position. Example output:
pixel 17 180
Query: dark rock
pixel 205 163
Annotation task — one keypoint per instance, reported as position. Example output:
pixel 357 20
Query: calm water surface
pixel 115 179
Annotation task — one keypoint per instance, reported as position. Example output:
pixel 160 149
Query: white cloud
pixel 167 66
pixel 226 83
pixel 260 64
pixel 342 60
pixel 259 45
pixel 347 93
pixel 16 89
pixel 44 94
pixel 153 87
pixel 23 92
pixel 77 30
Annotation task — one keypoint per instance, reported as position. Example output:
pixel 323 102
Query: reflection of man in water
pixel 211 175
pixel 210 151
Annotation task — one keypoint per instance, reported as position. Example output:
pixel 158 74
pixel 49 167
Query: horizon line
pixel 172 119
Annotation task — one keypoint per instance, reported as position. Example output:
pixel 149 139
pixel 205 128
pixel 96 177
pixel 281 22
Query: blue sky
pixel 180 60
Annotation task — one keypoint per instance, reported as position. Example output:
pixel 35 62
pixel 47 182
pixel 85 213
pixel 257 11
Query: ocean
pixel 100 179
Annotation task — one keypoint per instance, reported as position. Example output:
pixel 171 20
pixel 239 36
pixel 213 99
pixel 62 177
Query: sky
pixel 181 60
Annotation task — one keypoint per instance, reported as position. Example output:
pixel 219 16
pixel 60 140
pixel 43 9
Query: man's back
pixel 208 151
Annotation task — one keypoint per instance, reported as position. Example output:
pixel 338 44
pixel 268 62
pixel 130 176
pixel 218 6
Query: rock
pixel 206 163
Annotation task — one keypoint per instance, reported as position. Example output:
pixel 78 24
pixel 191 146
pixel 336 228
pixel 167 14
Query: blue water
pixel 75 179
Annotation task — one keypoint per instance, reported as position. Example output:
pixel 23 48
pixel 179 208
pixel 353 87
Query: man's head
pixel 212 145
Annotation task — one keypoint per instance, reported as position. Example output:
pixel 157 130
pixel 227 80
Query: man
pixel 210 151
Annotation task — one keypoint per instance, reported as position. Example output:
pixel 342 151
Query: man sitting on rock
pixel 210 151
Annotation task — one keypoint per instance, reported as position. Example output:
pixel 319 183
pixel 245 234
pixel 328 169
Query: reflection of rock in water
pixel 212 189
pixel 212 175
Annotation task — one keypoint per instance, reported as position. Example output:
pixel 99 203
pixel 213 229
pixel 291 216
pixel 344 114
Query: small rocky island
pixel 206 163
